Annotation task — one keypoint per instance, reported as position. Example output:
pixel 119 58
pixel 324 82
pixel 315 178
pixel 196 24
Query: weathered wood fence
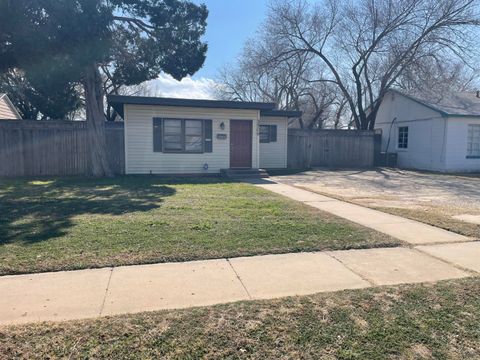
pixel 330 148
pixel 60 148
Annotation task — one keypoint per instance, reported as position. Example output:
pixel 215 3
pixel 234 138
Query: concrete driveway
pixel 456 196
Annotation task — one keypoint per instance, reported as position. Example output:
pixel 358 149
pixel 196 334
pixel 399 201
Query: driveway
pixel 451 197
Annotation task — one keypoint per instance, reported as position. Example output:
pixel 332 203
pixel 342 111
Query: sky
pixel 230 23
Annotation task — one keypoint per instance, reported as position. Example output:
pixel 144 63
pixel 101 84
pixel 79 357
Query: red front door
pixel 240 143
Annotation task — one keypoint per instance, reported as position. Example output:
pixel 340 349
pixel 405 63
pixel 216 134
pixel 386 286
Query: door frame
pixel 251 144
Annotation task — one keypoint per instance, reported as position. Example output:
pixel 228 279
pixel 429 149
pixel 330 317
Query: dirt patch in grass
pixel 65 224
pixel 439 215
pixel 431 198
pixel 404 322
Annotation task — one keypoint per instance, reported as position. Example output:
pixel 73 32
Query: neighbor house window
pixel 403 137
pixel 182 135
pixel 473 144
pixel 268 133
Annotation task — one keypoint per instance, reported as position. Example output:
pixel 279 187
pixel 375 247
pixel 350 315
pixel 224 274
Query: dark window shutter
pixel 208 136
pixel 157 135
pixel 273 133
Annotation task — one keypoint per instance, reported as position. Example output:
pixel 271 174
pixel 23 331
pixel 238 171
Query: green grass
pixel 58 224
pixel 439 321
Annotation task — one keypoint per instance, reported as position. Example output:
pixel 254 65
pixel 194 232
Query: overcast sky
pixel 230 23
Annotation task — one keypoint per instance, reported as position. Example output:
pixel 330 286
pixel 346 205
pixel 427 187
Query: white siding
pixel 426 133
pixel 274 155
pixel 457 131
pixel 6 111
pixel 139 155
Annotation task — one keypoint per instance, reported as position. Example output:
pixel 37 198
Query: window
pixel 182 135
pixel 473 143
pixel 268 133
pixel 172 135
pixel 403 137
pixel 193 136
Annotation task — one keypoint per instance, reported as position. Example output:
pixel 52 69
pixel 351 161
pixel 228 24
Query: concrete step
pixel 244 173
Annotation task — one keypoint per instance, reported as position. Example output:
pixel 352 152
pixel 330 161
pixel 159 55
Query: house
pixel 7 109
pixel 438 132
pixel 186 136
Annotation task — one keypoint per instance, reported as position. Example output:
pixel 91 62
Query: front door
pixel 240 143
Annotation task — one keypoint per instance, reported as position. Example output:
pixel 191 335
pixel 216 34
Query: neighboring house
pixel 7 110
pixel 437 132
pixel 183 136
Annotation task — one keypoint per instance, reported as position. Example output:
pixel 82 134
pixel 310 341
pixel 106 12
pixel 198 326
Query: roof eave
pixel 418 101
pixel 117 102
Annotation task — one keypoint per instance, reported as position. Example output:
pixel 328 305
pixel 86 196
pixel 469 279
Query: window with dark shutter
pixel 268 133
pixel 157 135
pixel 171 135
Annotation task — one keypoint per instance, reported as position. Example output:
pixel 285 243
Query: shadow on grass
pixel 38 210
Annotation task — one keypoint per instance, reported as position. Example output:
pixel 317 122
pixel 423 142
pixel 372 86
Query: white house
pixel 439 132
pixel 185 136
pixel 7 109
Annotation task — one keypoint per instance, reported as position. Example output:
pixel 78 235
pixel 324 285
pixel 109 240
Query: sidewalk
pixel 410 231
pixel 100 292
pixel 129 289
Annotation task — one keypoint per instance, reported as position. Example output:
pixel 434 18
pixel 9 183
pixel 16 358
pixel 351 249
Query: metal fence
pixel 330 148
pixel 56 148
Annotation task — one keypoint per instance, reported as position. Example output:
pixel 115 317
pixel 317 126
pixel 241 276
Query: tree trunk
pixel 96 122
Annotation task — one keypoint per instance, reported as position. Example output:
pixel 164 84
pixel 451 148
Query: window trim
pixel 182 137
pixel 403 147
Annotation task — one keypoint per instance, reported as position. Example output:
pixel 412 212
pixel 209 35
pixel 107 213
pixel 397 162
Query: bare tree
pixel 430 75
pixel 261 75
pixel 367 45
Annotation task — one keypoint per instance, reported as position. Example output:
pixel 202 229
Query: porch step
pixel 244 173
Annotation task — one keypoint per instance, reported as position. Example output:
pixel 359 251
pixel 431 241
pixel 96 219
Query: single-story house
pixel 7 109
pixel 186 136
pixel 437 132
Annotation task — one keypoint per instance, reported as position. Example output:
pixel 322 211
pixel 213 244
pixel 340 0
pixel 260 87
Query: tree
pixel 40 99
pixel 72 41
pixel 287 82
pixel 429 75
pixel 367 45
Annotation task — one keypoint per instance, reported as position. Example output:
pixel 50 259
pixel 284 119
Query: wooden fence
pixel 60 148
pixel 57 148
pixel 330 148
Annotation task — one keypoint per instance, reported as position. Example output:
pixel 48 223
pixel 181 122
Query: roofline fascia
pixel 214 104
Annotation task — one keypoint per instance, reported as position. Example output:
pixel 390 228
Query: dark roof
pixel 283 113
pixel 117 102
pixel 447 103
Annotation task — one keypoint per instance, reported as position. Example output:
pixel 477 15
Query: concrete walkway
pixel 129 289
pixel 410 231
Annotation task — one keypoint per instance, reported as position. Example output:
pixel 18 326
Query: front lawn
pixel 73 223
pixel 439 321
